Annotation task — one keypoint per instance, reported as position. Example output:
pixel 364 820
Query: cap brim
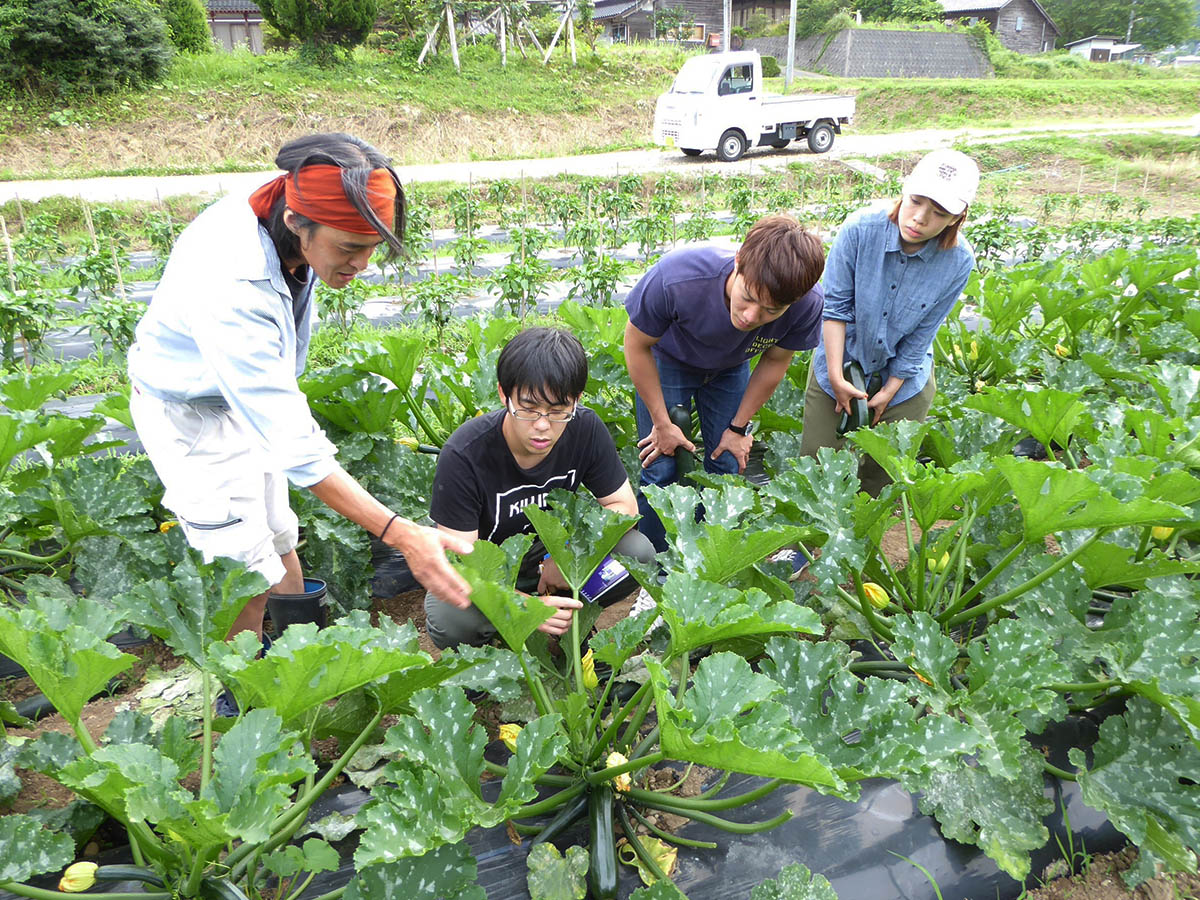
pixel 935 191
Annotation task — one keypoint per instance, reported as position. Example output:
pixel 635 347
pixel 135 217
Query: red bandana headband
pixel 316 192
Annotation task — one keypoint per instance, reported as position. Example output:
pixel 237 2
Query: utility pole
pixel 727 12
pixel 789 73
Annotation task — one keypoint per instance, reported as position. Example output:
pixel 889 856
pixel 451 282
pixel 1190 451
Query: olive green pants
pixel 821 421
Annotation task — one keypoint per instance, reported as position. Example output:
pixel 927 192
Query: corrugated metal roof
pixel 614 8
pixel 233 6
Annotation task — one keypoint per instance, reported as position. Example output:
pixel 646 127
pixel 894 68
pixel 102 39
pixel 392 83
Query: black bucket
pixel 296 609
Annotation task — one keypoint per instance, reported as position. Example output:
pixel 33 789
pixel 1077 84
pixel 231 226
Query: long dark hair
pixel 357 159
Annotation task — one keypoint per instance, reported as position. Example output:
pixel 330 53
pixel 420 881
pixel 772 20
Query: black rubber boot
pixel 296 609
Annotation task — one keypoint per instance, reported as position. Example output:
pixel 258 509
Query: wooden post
pixel 453 38
pixel 558 31
pixel 790 72
pixel 571 37
pixel 533 37
pixel 12 284
pixel 503 39
pixel 430 40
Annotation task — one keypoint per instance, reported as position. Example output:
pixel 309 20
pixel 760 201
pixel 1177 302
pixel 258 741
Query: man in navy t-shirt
pixel 695 321
pixel 496 465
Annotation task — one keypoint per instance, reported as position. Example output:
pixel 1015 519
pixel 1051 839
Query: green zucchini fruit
pixel 685 460
pixel 219 889
pixel 570 811
pixel 859 415
pixel 602 873
pixel 128 873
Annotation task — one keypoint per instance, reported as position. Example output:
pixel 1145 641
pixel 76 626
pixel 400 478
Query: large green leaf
pixel 1054 499
pixel 27 849
pixel 1142 776
pixel 1050 416
pixel 397 360
pixel 514 615
pixel 867 727
pixel 725 723
pixel 254 766
pixel 895 446
pixel 795 882
pixel 435 797
pixel 1105 564
pixel 1151 642
pixel 445 872
pixel 1002 816
pixel 193 608
pixel 307 667
pixel 61 642
pixel 578 532
pixel 553 877
pixel 700 613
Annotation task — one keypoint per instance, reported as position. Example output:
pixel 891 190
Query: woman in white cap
pixel 892 277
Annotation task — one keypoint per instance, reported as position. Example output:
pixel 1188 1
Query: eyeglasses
pixel 532 415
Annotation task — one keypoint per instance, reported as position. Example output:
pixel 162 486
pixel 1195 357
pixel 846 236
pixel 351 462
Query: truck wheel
pixel 690 151
pixel 731 146
pixel 820 138
pixel 781 143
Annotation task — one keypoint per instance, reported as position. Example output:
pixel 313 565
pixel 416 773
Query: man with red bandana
pixel 215 366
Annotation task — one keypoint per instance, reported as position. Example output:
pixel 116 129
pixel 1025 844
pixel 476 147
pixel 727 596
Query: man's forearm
pixel 833 333
pixel 644 374
pixel 762 384
pixel 341 493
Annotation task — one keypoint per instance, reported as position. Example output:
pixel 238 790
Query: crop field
pixel 1014 620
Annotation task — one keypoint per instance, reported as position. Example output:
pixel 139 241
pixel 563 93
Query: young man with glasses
pixel 495 465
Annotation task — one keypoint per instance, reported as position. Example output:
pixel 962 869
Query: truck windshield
pixel 694 78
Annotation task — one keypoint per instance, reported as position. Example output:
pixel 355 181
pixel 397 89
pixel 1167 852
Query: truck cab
pixel 717 102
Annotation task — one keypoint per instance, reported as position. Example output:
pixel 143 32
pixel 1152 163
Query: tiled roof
pixel 957 6
pixel 233 6
pixel 608 9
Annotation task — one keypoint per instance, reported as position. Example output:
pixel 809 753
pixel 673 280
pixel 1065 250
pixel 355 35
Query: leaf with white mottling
pixel 446 873
pixel 27 849
pixel 550 876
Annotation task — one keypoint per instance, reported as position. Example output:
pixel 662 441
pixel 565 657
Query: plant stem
pixel 667 836
pixel 1143 545
pixel 1081 687
pixel 918 588
pixel 604 775
pixel 645 743
pixel 717 821
pixel 967 596
pixel 332 895
pixel 617 719
pixel 206 743
pixel 988 605
pixel 554 801
pixel 693 803
pixel 25 890
pixel 636 843
pixel 30 557
pixel 1059 773
pixel 576 659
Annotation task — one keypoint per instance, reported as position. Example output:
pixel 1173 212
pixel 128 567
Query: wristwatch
pixel 743 430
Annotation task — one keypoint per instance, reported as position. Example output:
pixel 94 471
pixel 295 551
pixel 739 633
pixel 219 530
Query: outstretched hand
pixel 425 551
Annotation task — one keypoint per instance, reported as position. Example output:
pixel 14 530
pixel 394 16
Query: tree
pixel 322 26
pixel 1156 23
pixel 187 25
pixel 65 46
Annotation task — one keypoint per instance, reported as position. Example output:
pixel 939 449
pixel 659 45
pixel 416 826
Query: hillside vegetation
pixel 230 112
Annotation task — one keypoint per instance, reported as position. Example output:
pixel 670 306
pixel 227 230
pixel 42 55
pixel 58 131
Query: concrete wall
pixel 870 53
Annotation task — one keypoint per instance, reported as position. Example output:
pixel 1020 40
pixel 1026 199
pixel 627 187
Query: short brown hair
pixel 781 258
pixel 949 235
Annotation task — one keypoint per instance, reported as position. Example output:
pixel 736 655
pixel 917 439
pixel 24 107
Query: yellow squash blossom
pixel 78 877
pixel 1061 351
pixel 509 732
pixel 590 681
pixel 877 595
pixel 167 525
pixel 621 782
pixel 938 566
pixel 1161 532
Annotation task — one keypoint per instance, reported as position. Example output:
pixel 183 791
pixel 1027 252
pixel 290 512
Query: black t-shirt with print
pixel 480 487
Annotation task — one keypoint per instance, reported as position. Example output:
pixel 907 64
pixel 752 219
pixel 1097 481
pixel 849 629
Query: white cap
pixel 949 178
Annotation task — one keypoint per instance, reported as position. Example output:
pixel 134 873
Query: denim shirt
pixel 222 330
pixel 892 302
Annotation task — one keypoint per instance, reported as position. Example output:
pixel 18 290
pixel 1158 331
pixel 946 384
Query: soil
pixel 1101 880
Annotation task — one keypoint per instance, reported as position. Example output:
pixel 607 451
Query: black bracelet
pixel 388 525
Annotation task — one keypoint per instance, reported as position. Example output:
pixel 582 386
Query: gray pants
pixel 821 421
pixel 449 626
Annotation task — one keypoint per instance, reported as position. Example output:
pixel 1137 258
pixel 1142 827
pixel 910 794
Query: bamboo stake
pixel 429 40
pixel 503 40
pixel 453 38
pixel 558 31
pixel 571 38
pixel 20 211
pixel 12 283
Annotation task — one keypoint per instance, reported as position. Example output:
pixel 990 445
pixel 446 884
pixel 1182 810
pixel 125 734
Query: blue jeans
pixel 716 395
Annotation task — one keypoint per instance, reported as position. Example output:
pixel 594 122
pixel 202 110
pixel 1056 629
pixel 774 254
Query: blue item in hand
pixel 607 575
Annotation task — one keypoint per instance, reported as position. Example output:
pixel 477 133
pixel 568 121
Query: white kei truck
pixel 717 101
